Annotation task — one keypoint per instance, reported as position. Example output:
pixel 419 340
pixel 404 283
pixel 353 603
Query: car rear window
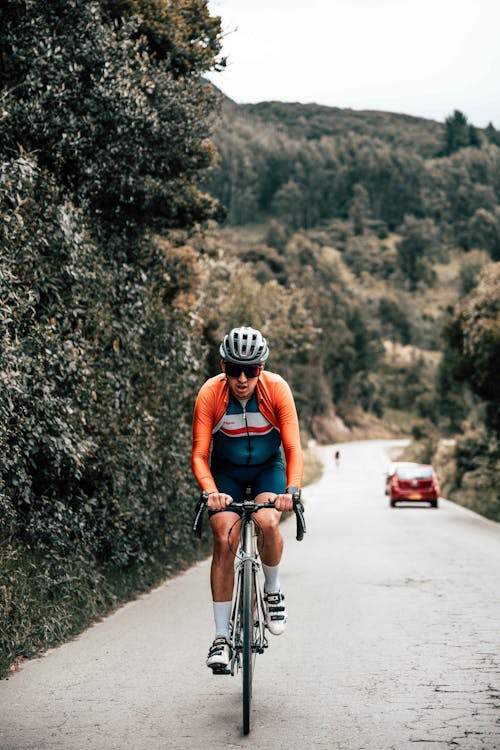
pixel 415 472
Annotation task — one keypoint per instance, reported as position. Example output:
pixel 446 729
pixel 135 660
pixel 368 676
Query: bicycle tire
pixel 247 661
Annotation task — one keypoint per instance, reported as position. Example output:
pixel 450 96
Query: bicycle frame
pixel 247 554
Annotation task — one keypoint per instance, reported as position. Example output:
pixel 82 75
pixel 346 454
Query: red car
pixel 414 483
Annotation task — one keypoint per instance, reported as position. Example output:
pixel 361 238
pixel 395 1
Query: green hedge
pixel 99 369
pixel 105 125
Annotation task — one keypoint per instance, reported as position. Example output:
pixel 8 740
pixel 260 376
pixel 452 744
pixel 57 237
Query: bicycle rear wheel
pixel 248 599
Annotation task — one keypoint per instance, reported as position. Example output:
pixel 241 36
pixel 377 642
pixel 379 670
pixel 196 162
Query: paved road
pixel 393 643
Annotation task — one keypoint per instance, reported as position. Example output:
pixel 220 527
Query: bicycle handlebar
pixel 298 509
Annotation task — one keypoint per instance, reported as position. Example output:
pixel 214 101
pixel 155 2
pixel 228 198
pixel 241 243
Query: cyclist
pixel 245 414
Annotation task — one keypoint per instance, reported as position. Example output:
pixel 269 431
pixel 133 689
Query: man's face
pixel 242 379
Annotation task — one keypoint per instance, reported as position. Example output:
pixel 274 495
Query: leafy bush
pixel 99 356
pixel 124 132
pixel 98 371
pixel 477 467
pixel 474 334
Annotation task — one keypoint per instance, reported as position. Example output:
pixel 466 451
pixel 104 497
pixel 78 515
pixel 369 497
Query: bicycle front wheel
pixel 248 598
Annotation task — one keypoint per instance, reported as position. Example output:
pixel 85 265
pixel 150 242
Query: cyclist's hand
pixel 218 501
pixel 283 502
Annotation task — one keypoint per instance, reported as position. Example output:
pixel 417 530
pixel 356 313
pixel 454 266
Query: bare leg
pixel 269 520
pixel 276 615
pixel 222 570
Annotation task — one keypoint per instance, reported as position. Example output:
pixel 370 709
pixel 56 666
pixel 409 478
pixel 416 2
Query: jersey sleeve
pixel 290 435
pixel 202 437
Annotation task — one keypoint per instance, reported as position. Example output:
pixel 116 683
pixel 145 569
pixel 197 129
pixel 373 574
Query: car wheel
pixel 434 503
pixel 393 503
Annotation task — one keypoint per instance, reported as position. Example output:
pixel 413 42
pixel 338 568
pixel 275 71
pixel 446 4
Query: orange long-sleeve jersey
pixel 275 402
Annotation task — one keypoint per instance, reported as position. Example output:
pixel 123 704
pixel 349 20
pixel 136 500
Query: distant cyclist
pixel 245 415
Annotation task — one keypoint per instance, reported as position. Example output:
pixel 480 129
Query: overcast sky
pixel 419 57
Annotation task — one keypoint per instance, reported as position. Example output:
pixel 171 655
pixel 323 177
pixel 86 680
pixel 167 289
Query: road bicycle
pixel 248 623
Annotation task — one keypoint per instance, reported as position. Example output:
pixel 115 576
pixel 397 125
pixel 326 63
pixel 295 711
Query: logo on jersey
pixel 234 425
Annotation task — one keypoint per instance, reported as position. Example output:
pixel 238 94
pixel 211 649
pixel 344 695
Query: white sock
pixel 222 615
pixel 271 578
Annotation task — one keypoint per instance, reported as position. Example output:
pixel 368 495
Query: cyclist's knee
pixel 269 520
pixel 222 534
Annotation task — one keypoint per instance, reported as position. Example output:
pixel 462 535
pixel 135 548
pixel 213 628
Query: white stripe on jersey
pixel 234 425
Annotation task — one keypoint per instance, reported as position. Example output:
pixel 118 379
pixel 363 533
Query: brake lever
pixel 299 515
pixel 200 509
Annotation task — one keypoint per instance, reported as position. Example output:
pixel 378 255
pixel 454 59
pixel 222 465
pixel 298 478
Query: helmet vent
pixel 244 344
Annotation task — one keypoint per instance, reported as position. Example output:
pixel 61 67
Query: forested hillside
pixel 382 233
pixel 313 122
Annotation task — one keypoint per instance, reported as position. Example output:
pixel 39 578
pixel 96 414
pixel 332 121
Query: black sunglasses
pixel 234 371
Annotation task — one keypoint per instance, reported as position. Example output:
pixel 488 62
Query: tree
pixel 125 134
pixel 416 249
pixel 360 206
pixel 470 270
pixel 492 134
pixel 277 235
pixel 459 133
pixel 484 232
pixel 288 203
pixel 394 319
pixel 474 335
pixel 182 32
pixel 474 139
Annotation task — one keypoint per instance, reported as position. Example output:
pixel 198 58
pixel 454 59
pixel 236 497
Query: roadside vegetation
pixel 105 123
pixel 142 214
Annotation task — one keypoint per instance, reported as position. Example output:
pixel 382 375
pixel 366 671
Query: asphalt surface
pixel 393 642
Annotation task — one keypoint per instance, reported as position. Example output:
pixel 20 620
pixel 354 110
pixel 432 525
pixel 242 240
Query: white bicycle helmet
pixel 244 345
